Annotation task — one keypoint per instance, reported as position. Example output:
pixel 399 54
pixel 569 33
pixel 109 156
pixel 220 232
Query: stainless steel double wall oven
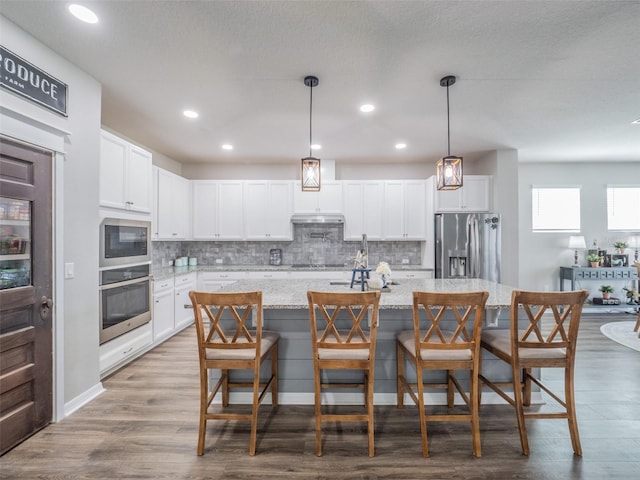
pixel 125 276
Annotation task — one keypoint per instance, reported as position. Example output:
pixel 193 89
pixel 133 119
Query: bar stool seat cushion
pixel 501 340
pixel 269 338
pixel 343 353
pixel 407 339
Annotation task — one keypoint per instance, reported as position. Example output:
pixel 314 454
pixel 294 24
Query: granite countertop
pixel 292 294
pixel 165 272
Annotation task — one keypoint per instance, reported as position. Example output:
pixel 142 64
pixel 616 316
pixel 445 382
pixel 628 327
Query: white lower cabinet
pixel 268 275
pixel 163 323
pixel 125 348
pixel 420 274
pixel 183 310
pixel 213 281
pixel 171 305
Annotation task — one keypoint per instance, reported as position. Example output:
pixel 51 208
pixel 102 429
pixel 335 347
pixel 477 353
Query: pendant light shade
pixel 310 164
pixel 449 168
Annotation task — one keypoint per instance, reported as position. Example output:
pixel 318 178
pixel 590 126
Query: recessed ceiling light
pixel 400 146
pixel 636 122
pixel 227 146
pixel 367 108
pixel 316 146
pixel 190 114
pixel 83 13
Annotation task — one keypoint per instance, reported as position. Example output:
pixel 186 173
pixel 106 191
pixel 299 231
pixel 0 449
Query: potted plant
pixel 620 246
pixel 606 290
pixel 593 259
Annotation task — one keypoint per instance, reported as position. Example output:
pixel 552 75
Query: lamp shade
pixel 310 174
pixel 634 241
pixel 449 173
pixel 577 241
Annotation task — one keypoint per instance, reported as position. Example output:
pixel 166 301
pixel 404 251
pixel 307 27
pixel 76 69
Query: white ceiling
pixel 556 80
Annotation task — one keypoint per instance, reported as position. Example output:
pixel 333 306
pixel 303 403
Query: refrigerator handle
pixel 474 247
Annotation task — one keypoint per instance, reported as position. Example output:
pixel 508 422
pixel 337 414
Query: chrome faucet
pixel 364 247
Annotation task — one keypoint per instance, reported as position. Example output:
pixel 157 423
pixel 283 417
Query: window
pixel 623 208
pixel 555 208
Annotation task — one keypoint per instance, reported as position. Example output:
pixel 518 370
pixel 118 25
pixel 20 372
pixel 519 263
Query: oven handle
pixel 125 283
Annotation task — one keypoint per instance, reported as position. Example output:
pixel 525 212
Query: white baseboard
pixel 83 399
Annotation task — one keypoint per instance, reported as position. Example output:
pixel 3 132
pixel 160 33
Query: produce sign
pixel 23 78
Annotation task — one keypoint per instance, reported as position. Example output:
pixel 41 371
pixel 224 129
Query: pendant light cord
pixel 448 126
pixel 310 116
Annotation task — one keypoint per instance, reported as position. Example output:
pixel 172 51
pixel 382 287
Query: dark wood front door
pixel 26 285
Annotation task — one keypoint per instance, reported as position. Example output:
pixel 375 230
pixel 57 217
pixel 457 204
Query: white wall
pixel 541 254
pixel 503 166
pixel 79 229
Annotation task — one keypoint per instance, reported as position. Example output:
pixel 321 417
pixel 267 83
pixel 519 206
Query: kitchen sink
pixel 318 266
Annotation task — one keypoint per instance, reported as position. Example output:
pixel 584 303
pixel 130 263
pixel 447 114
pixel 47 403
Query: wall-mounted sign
pixel 23 78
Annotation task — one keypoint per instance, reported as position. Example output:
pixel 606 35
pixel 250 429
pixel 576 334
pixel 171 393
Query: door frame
pixel 28 130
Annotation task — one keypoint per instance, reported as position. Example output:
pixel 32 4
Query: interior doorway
pixel 26 287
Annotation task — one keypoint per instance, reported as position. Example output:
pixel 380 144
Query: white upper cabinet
pixel 125 175
pixel 172 201
pixel 218 212
pixel 405 210
pixel 268 206
pixel 473 196
pixel 362 201
pixel 327 200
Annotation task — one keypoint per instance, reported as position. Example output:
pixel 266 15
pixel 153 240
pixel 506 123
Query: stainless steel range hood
pixel 326 218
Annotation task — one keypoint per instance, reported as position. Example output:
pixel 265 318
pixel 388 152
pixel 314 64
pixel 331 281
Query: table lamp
pixel 576 242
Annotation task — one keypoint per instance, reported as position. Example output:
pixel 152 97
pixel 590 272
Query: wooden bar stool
pixel 226 341
pixel 533 344
pixel 431 347
pixel 343 337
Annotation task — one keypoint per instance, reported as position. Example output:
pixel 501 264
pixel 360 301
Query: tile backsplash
pixel 315 244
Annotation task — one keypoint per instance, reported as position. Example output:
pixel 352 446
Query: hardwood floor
pixel 145 427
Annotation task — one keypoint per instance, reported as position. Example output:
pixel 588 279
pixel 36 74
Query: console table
pixel 599 273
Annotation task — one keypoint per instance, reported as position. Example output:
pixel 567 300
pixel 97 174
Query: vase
pixel 594 264
pixel 606 295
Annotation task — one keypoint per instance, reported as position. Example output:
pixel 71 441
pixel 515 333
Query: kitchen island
pixel 282 294
pixel 286 312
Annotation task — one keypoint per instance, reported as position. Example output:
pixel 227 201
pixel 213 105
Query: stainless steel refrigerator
pixel 467 245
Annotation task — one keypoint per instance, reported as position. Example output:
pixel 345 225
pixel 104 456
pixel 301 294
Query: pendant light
pixel 310 164
pixel 449 168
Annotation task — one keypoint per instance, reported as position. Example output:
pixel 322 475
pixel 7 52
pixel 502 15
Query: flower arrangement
pixel 632 295
pixel 383 269
pixel 620 245
pixel 593 257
